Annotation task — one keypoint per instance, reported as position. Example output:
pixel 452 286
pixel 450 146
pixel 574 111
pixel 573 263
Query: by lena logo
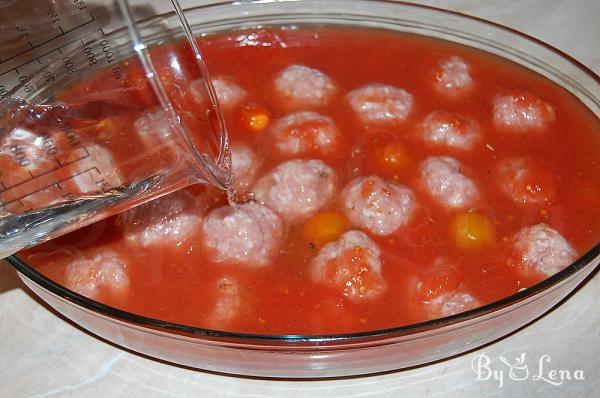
pixel 519 370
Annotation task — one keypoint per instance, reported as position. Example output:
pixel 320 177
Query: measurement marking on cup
pixel 62 38
pixel 45 173
pixel 51 185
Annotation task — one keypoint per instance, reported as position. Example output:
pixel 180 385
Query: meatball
pixel 228 92
pixel 351 265
pixel 380 104
pixel 305 133
pixel 451 303
pixel 248 234
pixel 64 164
pixel 440 291
pixel 102 173
pixel 245 164
pixel 296 189
pixel 106 271
pixel 445 129
pixel 442 178
pixel 522 111
pixel 541 249
pixel 300 86
pixel 22 155
pixel 23 151
pixel 154 128
pixel 453 76
pixel 378 206
pixel 526 181
pixel 169 219
pixel 228 303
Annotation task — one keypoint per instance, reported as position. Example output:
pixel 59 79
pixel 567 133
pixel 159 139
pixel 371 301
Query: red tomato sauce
pixel 179 282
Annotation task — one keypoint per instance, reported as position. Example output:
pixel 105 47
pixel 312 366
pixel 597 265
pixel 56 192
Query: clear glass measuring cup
pixel 92 122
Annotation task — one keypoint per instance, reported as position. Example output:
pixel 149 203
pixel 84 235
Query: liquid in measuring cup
pixel 44 168
pixel 101 125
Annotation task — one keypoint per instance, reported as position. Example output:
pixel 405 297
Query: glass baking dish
pixel 295 356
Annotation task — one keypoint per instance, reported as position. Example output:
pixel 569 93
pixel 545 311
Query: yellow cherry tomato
pixel 255 117
pixel 391 158
pixel 472 231
pixel 325 227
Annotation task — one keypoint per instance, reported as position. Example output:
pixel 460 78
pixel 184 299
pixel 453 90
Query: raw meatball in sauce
pixel 248 234
pixel 440 291
pixel 453 77
pixel 541 249
pixel 522 111
pixel 350 265
pixel 296 189
pixel 527 181
pixel 451 303
pixel 302 87
pixel 448 130
pixel 171 218
pixel 228 302
pixel 380 104
pixel 378 206
pixel 442 178
pixel 106 175
pixel 85 168
pixel 105 271
pixel 22 151
pixel 228 93
pixel 305 133
pixel 245 164
pixel 154 128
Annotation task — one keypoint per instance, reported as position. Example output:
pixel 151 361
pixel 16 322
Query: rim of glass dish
pixel 177 329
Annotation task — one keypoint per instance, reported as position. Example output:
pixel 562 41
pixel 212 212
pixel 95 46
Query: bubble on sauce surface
pixel 169 219
pixel 105 271
pixel 449 130
pixel 526 180
pixel 228 92
pixel 453 76
pixel 227 305
pixel 521 111
pixel 376 205
pixel 249 234
pixel 296 189
pixel 303 133
pixel 245 164
pixel 380 104
pixel 541 249
pixel 442 178
pixel 301 86
pixel 351 265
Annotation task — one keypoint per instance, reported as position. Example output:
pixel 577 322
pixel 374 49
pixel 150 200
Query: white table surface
pixel 42 355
